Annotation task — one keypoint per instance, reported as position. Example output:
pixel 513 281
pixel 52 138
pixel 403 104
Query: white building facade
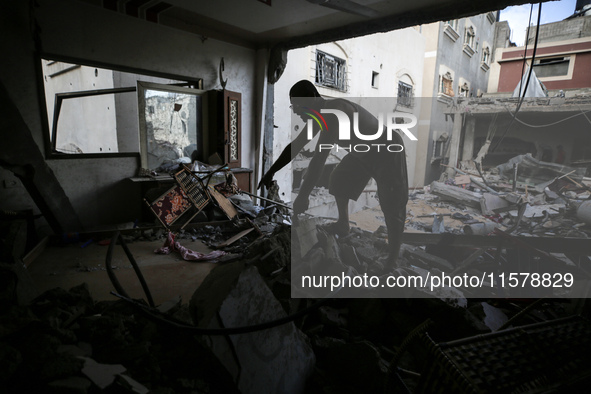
pixel 457 64
pixel 378 65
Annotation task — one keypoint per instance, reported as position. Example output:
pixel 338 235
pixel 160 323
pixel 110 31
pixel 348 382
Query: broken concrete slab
pixel 462 180
pixel 538 211
pixel 532 171
pixel 127 384
pixel 490 202
pixel 513 198
pixel 427 259
pixel 102 375
pixel 449 295
pixel 494 317
pixel 550 194
pixel 456 194
pixel 275 360
pixel 305 234
pixel 480 228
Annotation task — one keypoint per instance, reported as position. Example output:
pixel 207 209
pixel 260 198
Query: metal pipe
pixel 266 199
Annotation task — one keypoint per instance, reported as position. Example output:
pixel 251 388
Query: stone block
pixel 275 360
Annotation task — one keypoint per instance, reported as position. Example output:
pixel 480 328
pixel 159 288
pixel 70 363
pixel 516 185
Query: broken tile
pixel 275 360
pixel 101 374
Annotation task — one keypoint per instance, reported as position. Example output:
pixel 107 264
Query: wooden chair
pixel 188 195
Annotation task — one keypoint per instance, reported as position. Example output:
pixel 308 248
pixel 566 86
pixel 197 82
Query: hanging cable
pixel 153 314
pixel 531 10
pixel 584 113
pixel 531 68
pixel 134 264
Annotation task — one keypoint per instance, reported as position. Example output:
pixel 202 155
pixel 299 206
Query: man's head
pixel 307 91
pixel 303 88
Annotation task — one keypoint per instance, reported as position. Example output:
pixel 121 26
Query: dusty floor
pixel 166 275
pixel 372 218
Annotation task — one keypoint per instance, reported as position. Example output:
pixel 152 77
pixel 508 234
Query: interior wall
pixel 567 132
pixel 74 30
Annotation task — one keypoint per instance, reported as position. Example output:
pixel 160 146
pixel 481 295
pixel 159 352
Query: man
pixel 351 175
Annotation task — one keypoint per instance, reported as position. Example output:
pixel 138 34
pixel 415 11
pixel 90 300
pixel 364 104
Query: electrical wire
pixel 584 113
pixel 531 68
pixel 134 264
pixel 531 10
pixel 554 123
pixel 156 315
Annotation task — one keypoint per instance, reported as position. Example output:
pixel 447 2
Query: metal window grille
pixel 331 71
pixel 404 94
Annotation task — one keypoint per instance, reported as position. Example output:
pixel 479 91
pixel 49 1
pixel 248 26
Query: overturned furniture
pixel 543 357
pixel 189 194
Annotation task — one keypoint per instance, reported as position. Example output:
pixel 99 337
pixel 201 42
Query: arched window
pixel 486 55
pixel 405 91
pixel 446 84
pixel 464 90
pixel 469 36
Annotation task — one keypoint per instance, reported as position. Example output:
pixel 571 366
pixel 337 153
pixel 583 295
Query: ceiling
pixel 296 23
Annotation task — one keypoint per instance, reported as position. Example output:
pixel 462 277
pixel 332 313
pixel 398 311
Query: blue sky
pixel 518 16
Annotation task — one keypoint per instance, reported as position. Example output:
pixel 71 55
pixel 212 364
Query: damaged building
pixel 139 256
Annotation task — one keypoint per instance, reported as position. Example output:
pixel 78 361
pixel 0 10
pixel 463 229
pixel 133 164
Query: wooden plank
pixel 35 252
pixel 235 238
pixel 223 203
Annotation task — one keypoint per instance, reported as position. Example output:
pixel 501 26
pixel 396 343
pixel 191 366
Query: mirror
pixel 171 123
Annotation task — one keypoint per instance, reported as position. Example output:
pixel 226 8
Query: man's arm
pixel 312 175
pixel 286 156
pixel 314 171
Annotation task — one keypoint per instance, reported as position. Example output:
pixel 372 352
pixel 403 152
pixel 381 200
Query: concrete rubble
pixel 346 345
pixel 77 345
pixel 277 359
pixel 553 199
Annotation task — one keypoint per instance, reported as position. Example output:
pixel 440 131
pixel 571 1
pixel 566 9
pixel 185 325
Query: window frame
pixel 447 88
pixel 405 101
pixel 485 59
pixel 375 79
pixel 546 61
pixel 464 90
pixel 469 46
pixel 48 144
pixel 450 29
pixel 339 82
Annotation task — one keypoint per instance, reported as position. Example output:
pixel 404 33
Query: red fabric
pixel 171 245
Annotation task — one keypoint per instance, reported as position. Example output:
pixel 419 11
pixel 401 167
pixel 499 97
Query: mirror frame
pixel 201 133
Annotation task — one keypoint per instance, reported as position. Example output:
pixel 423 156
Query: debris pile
pixel 243 332
pixel 523 196
pixel 66 342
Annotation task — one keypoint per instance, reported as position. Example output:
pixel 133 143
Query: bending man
pixel 380 161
